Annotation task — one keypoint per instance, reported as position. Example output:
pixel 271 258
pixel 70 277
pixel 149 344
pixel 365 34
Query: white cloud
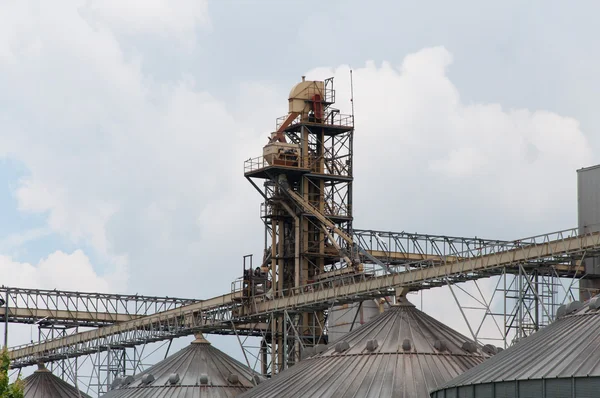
pixel 427 161
pixel 178 18
pixel 16 240
pixel 134 167
pixel 57 271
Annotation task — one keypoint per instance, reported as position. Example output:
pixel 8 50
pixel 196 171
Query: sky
pixel 124 126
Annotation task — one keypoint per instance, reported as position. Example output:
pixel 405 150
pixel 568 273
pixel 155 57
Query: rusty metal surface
pixel 43 384
pixel 565 352
pixel 191 363
pixel 392 369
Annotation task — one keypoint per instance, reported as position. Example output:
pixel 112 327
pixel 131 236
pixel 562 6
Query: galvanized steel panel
pixel 588 207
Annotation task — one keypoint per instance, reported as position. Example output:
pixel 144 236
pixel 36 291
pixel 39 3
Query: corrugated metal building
pixel 588 217
pixel 43 384
pixel 400 353
pixel 561 360
pixel 197 371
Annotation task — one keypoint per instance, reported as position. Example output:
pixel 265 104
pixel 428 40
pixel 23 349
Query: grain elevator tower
pixel 305 178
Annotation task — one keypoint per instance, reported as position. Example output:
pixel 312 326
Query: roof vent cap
pixel 116 383
pixel 561 311
pixel 440 345
pixel 233 378
pixel 257 379
pixel 308 352
pixel 342 346
pixel 203 378
pixel 406 345
pixel 372 345
pixel 127 381
pixel 174 378
pixel 469 346
pixel 499 349
pixel 573 306
pixel 595 303
pixel 41 367
pixel 490 349
pixel 148 378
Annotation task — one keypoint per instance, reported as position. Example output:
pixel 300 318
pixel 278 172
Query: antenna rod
pixel 352 95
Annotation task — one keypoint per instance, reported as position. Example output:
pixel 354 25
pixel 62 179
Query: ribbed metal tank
pixel 562 360
pixel 401 353
pixel 588 217
pixel 345 318
pixel 43 384
pixel 197 371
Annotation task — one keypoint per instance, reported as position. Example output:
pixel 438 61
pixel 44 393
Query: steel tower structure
pixel 306 170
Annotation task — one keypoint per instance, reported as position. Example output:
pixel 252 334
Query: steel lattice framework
pixel 558 251
pixel 47 308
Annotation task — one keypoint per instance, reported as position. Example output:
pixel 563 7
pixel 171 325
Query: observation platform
pixel 333 123
pixel 292 167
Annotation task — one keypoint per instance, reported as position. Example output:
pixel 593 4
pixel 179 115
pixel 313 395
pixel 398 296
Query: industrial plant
pixel 330 304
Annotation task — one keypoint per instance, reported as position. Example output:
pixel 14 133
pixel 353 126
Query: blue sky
pixel 124 126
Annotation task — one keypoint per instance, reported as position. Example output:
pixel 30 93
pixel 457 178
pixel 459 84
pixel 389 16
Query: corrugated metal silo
pixel 197 371
pixel 400 353
pixel 43 384
pixel 561 360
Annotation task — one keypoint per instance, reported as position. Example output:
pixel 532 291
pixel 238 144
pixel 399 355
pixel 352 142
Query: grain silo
pixel 198 370
pixel 560 360
pixel 43 384
pixel 400 353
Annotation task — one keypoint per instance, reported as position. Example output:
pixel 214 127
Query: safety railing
pixel 259 163
pixel 332 118
pixel 402 247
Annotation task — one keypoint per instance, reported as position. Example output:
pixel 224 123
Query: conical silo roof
pixel 198 370
pixel 560 360
pixel 400 353
pixel 43 384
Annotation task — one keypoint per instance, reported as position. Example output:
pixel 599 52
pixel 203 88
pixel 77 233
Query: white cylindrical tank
pixel 343 318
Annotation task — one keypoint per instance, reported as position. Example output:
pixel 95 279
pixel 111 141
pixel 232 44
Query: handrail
pixel 260 162
pixel 332 118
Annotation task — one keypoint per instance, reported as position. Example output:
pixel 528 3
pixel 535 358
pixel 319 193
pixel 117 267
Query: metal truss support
pixel 48 308
pixel 387 248
pixel 512 305
pixel 559 252
pixel 117 362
